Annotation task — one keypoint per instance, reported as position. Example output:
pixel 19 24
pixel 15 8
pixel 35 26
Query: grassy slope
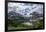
pixel 15 25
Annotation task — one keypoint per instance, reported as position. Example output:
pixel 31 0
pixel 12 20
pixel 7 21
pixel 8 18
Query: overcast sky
pixel 23 8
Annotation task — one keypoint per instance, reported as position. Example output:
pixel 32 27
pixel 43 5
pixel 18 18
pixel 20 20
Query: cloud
pixel 23 8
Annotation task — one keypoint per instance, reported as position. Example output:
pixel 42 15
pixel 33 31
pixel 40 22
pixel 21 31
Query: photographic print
pixel 25 16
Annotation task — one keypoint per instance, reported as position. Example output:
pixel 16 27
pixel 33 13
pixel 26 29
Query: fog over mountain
pixel 24 10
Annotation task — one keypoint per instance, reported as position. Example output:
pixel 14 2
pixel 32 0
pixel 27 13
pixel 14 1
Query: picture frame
pixel 6 14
